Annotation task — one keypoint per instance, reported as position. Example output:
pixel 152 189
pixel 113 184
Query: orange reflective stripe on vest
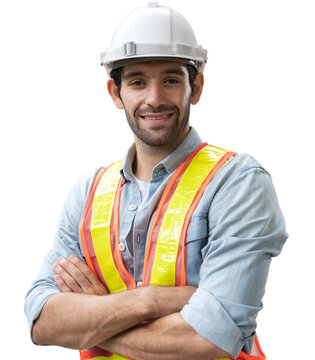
pixel 164 262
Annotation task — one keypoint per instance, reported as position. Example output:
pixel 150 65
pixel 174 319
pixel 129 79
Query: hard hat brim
pixel 134 60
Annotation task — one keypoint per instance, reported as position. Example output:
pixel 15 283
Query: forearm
pixel 169 338
pixel 80 321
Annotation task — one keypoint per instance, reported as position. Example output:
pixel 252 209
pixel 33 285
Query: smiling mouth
pixel 152 117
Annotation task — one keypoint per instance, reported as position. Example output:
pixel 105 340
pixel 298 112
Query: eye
pixel 172 81
pixel 137 83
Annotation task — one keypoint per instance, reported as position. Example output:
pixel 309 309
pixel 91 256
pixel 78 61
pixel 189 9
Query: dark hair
pixel 192 73
pixel 116 76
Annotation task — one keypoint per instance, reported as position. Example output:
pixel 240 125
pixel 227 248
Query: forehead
pixel 155 68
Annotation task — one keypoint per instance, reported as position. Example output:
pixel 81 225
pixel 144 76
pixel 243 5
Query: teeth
pixel 155 117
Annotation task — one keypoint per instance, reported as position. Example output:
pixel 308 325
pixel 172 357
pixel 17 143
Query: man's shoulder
pixel 241 162
pixel 237 161
pixel 237 167
pixel 244 161
pixel 82 187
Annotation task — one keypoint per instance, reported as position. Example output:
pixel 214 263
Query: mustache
pixel 152 110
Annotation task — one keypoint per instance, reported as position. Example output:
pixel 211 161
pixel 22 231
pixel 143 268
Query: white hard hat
pixel 153 32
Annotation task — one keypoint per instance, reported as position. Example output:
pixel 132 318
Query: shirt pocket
pixel 196 240
pixel 198 228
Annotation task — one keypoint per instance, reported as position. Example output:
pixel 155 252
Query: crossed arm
pixel 83 315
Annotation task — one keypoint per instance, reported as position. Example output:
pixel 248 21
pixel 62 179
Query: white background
pixel 58 123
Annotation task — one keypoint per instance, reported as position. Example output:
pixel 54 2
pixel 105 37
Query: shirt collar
pixel 170 163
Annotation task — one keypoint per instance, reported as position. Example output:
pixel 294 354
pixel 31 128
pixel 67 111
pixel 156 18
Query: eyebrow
pixel 177 71
pixel 132 74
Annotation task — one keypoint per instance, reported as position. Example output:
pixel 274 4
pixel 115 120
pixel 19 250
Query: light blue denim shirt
pixel 234 232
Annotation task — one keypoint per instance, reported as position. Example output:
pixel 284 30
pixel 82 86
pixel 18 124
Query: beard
pixel 159 135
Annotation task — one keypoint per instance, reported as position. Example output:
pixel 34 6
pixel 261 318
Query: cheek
pixel 188 93
pixel 182 99
pixel 131 101
pixel 181 95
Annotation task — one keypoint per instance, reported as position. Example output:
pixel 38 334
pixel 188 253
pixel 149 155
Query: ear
pixel 198 86
pixel 113 92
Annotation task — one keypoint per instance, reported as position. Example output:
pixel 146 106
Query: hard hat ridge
pixel 153 32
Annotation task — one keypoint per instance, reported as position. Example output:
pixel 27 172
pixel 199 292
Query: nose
pixel 155 94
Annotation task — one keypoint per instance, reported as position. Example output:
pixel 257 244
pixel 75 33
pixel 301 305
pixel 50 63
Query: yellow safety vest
pixel 164 261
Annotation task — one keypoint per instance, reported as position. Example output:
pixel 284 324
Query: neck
pixel 147 157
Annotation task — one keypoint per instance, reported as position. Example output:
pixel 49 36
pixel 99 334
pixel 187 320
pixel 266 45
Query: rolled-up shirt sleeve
pixel 246 229
pixel 66 242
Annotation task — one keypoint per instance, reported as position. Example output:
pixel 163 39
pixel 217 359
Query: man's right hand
pixel 73 275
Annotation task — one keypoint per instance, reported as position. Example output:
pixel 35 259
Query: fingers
pixel 92 285
pixel 67 276
pixel 61 284
pixel 74 275
pixel 88 273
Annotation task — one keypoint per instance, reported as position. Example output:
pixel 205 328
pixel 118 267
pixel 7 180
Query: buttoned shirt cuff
pixel 205 314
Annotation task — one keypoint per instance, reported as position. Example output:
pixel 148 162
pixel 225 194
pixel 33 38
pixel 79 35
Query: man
pixel 188 229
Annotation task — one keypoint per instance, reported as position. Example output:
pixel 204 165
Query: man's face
pixel 156 98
